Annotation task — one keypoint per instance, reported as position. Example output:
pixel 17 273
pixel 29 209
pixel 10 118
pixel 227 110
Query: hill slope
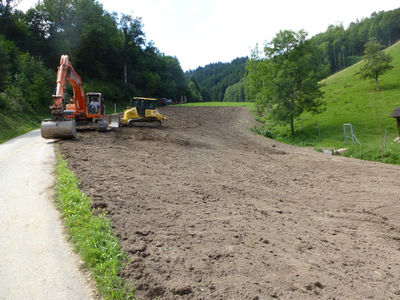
pixel 350 99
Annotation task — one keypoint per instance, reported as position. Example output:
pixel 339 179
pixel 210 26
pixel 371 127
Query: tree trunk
pixel 292 125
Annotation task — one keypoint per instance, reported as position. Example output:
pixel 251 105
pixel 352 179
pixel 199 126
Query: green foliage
pixel 344 47
pixel 349 100
pixel 372 152
pixel 376 62
pixel 26 87
pixel 213 79
pixel 92 235
pixel 287 80
pixel 110 53
pixel 15 123
pixel 236 92
pixel 195 94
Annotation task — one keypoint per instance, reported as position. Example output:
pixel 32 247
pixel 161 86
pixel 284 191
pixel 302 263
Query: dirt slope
pixel 208 210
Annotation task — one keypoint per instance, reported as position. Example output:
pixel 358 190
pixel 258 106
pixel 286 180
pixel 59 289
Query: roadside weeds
pixel 91 235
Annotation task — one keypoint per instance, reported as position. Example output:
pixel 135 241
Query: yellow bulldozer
pixel 143 112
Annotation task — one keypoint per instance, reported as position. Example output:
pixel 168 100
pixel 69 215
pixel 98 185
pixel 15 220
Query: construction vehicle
pixel 82 112
pixel 142 111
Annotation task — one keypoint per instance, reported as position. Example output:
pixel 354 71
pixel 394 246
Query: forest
pixel 109 51
pixel 336 48
pixel 210 82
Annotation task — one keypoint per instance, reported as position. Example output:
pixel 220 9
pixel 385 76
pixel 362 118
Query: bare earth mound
pixel 208 210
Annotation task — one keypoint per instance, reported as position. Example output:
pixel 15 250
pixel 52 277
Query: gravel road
pixel 36 262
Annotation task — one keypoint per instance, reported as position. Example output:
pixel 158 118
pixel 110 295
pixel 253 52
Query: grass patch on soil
pixel 91 234
pixel 248 104
pixel 350 99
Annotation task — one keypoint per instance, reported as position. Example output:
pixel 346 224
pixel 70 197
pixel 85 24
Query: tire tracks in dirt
pixel 208 210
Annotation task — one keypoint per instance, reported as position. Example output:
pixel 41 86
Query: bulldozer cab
pixel 142 104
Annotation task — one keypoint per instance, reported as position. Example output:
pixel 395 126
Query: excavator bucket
pixel 51 129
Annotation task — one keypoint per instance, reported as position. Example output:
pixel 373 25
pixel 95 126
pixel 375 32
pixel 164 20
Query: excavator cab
pixel 95 105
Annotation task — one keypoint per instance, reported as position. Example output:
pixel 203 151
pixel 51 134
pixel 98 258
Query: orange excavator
pixel 83 111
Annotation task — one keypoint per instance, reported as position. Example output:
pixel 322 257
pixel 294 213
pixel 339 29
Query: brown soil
pixel 208 210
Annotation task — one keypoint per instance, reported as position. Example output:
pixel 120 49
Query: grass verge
pixel 91 235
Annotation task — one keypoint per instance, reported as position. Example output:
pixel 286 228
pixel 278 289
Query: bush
pixel 4 103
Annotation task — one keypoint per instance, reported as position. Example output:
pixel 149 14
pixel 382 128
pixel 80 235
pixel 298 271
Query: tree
pixel 290 77
pixel 195 94
pixel 376 62
pixel 236 92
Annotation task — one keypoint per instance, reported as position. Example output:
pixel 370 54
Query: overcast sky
pixel 199 32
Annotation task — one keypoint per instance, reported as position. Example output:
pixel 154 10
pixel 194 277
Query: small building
pixel 396 114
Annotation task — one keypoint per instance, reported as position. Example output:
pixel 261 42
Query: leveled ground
pixel 207 210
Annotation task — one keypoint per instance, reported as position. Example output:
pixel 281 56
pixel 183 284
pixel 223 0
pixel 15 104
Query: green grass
pixel 352 100
pixel 15 124
pixel 91 235
pixel 248 104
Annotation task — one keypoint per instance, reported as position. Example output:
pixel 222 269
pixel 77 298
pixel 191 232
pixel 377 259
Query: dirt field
pixel 208 210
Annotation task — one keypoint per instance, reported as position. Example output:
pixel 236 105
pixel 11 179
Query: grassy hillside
pixel 352 100
pixel 15 124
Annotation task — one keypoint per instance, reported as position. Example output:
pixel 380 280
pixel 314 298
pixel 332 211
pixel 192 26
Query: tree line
pixel 342 47
pixel 211 82
pixel 108 50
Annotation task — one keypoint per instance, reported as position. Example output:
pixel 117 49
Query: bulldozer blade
pixel 51 129
pixel 114 120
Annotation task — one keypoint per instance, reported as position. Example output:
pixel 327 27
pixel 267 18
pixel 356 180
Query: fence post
pixel 386 136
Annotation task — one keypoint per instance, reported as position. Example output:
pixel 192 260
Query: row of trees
pixel 109 51
pixel 342 47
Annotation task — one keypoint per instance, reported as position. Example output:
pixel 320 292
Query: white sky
pixel 199 32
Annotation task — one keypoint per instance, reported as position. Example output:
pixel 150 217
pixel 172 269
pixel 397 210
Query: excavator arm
pixel 66 73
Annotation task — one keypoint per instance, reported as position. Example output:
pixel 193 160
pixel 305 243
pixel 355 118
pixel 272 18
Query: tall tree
pixel 290 77
pixel 376 62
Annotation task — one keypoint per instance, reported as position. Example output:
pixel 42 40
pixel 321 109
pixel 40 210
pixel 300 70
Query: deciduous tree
pixel 376 62
pixel 289 77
